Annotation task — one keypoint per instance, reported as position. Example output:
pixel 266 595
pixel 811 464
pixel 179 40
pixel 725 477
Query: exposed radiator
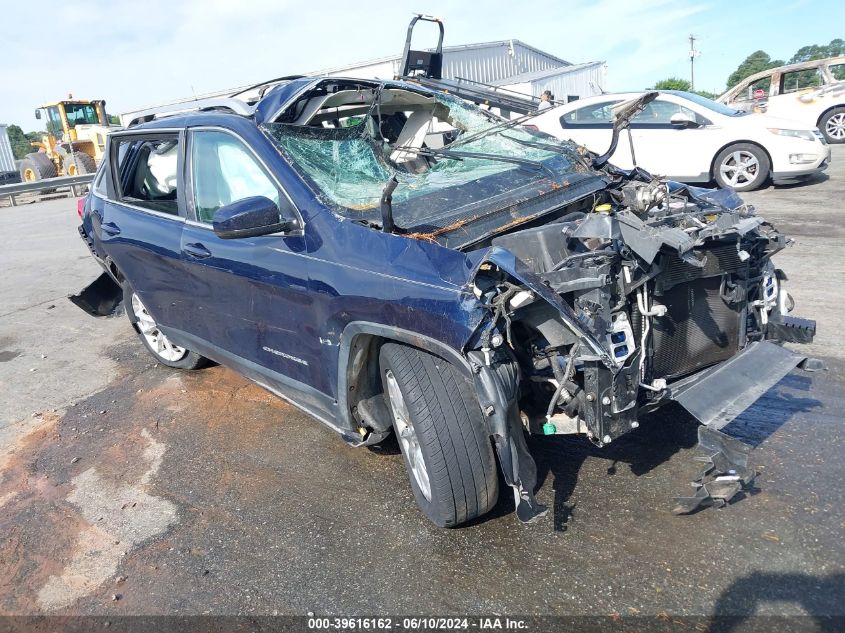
pixel 698 330
pixel 718 259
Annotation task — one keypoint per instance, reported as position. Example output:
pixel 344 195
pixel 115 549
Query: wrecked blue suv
pixel 392 259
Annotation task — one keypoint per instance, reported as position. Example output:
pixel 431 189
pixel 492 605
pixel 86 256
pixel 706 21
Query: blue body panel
pixel 277 308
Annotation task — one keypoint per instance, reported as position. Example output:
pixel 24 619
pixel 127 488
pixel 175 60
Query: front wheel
pixel 442 435
pixel 162 348
pixel 37 166
pixel 741 167
pixel 79 164
pixel 832 125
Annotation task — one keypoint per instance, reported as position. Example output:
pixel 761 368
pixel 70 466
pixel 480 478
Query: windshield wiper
pixel 495 129
pixel 448 153
pixel 558 149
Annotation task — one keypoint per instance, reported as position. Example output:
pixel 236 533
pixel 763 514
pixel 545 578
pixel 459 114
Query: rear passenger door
pixel 141 223
pixel 664 149
pixel 250 297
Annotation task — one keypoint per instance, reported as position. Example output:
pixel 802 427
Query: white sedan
pixel 689 138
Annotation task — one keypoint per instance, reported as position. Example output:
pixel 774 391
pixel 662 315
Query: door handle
pixel 110 228
pixel 196 250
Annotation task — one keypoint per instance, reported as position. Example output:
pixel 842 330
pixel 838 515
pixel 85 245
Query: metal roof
pixel 545 74
pixel 481 61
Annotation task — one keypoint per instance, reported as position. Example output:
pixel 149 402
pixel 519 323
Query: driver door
pixel 250 300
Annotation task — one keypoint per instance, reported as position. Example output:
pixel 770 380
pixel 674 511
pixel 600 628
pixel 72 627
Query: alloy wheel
pixel 407 434
pixel 835 126
pixel 740 168
pixel 157 341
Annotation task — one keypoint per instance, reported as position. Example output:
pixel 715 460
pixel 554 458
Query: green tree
pixel 756 62
pixel 706 94
pixel 672 83
pixel 676 83
pixel 817 51
pixel 21 143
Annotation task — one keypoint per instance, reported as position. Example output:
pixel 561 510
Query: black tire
pixel 37 166
pixel 454 444
pixel 832 125
pixel 80 164
pixel 746 179
pixel 188 360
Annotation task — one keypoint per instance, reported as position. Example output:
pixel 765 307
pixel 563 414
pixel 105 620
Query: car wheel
pixel 162 348
pixel 832 125
pixel 442 435
pixel 37 166
pixel 741 167
pixel 79 165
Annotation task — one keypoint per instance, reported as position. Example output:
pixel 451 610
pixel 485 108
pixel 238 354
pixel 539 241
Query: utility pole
pixel 692 55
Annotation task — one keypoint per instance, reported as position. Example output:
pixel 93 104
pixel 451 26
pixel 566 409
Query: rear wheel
pixel 37 166
pixel 162 348
pixel 79 164
pixel 441 434
pixel 832 125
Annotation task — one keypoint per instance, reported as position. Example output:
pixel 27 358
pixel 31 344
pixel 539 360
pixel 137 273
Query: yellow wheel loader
pixel 74 143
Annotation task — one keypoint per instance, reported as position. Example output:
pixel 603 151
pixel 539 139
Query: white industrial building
pixel 508 64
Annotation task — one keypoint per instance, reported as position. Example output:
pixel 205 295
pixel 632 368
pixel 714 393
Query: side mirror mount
pixel 681 120
pixel 250 217
pixel 38 114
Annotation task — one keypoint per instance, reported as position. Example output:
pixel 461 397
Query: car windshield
pixel 350 147
pixel 707 103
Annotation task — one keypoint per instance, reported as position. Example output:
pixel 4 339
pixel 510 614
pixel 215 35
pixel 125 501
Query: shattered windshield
pixel 350 146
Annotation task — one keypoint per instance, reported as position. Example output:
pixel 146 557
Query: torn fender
pixel 512 265
pixel 496 378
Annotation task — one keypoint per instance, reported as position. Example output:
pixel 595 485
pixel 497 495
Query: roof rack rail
pixel 236 106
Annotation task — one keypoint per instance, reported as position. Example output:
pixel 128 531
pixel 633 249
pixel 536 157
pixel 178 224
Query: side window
pixel 596 113
pixel 54 121
pixel 661 112
pixel 800 79
pixel 837 71
pixel 756 90
pixel 225 171
pixel 148 172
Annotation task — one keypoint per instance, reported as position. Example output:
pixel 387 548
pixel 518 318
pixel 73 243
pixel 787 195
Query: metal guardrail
pixel 72 182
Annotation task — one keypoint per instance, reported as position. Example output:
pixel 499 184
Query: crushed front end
pixel 659 293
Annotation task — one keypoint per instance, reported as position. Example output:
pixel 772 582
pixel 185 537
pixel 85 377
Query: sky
pixel 144 52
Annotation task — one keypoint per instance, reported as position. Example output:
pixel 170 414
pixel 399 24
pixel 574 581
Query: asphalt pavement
pixel 130 488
